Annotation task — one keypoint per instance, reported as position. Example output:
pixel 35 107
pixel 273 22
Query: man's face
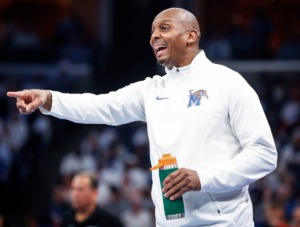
pixel 169 38
pixel 82 194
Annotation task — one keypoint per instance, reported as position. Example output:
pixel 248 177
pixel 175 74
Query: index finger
pixel 16 94
pixel 172 177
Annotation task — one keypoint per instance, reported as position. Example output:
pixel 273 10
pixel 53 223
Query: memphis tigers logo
pixel 195 97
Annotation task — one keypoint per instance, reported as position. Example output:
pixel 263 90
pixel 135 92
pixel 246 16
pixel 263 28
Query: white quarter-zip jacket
pixel 209 118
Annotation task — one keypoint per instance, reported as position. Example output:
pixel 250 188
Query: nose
pixel 154 36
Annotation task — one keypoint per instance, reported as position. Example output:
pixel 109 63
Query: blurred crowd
pixel 39 155
pixel 257 34
pixel 19 42
pixel 254 37
pixel 276 198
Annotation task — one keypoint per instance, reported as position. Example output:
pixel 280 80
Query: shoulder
pixel 68 218
pixel 155 80
pixel 230 78
pixel 107 219
pixel 148 81
pixel 225 72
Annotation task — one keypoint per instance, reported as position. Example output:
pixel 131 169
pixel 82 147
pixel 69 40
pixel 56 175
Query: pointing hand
pixel 29 100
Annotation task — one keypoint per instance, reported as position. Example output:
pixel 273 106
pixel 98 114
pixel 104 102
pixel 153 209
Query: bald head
pixel 182 16
pixel 175 36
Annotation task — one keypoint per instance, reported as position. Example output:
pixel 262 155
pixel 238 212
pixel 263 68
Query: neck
pixel 192 55
pixel 189 57
pixel 82 214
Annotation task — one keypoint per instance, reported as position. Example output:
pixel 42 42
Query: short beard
pixel 162 62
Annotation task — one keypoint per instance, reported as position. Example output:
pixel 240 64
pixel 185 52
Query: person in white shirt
pixel 204 114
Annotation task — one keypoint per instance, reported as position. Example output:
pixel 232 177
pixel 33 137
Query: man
pixel 204 114
pixel 84 192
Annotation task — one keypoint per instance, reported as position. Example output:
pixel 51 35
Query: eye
pixel 164 28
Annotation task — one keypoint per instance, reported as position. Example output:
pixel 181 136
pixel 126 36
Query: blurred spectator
pixel 261 29
pixel 91 145
pixel 58 207
pixel 76 50
pixel 70 37
pixel 106 194
pixel 274 212
pixel 116 204
pixel 140 137
pixel 85 210
pixel 37 81
pixel 137 215
pixel 138 178
pixel 18 131
pixel 107 136
pixel 3 100
pixel 2 220
pixel 218 48
pixel 290 47
pixel 290 112
pixel 23 37
pixel 239 37
pixel 140 144
pixel 42 132
pixel 63 190
pixel 290 155
pixel 114 166
pixel 6 157
pixel 63 79
pixel 295 222
pixel 67 28
pixel 77 161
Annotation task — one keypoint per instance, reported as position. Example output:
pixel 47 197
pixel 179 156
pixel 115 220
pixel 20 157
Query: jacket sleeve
pixel 258 156
pixel 118 107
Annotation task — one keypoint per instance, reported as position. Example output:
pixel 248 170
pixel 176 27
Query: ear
pixel 192 37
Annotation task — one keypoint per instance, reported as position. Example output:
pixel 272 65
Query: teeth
pixel 159 48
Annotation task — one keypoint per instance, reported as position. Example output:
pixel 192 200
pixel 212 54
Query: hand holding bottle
pixel 180 182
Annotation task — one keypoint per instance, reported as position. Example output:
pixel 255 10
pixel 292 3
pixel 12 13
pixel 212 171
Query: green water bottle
pixel 174 209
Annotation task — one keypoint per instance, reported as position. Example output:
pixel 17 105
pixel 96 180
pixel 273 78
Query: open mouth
pixel 160 50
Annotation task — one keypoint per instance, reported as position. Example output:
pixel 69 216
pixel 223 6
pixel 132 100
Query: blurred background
pixel 97 46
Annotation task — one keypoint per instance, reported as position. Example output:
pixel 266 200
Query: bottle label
pixel 173 208
pixel 173 167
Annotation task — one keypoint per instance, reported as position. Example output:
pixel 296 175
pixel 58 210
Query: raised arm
pixel 118 107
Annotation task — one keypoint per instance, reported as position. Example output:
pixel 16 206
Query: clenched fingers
pixel 180 182
pixel 21 105
pixel 32 106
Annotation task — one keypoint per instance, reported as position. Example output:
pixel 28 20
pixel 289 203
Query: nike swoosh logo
pixel 161 98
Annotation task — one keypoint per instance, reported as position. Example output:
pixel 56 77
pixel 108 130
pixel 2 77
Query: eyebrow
pixel 163 21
